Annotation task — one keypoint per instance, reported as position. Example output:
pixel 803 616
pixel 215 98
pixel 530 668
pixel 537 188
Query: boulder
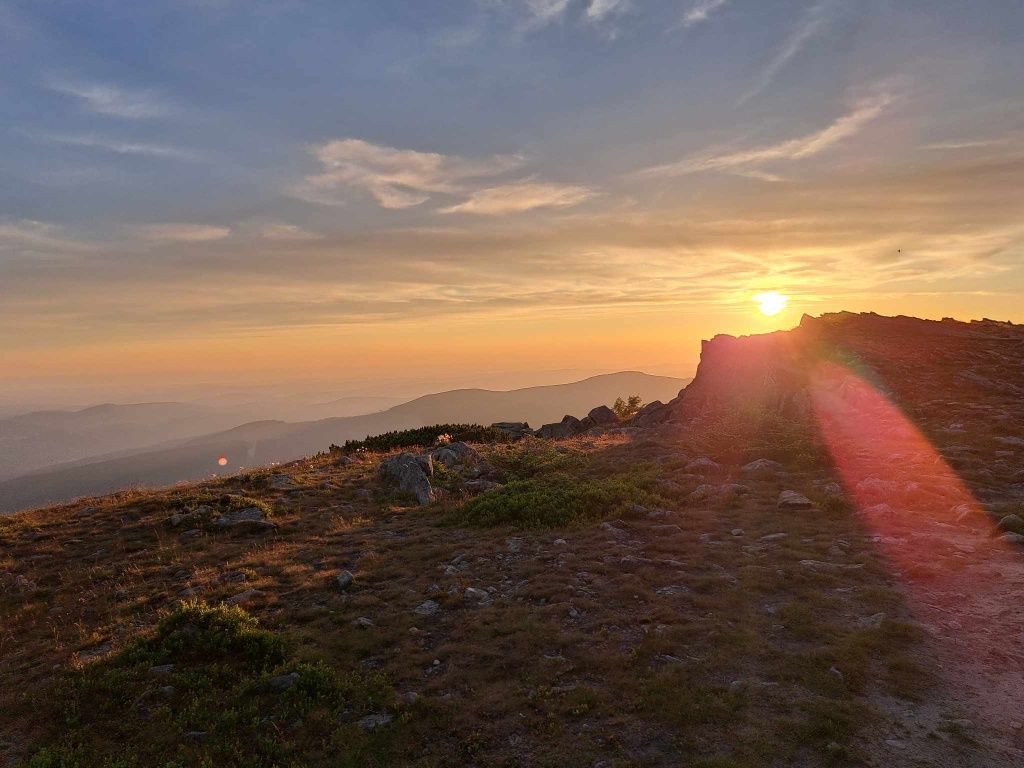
pixel 410 474
pixel 603 416
pixel 514 429
pixel 453 454
pixel 653 413
pixel 567 427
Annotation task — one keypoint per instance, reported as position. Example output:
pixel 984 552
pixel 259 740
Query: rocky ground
pixel 829 578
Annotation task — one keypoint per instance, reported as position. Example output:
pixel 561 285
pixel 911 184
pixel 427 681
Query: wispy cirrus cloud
pixel 599 10
pixel 521 196
pixel 860 115
pixel 542 12
pixel 406 178
pixel 180 232
pixel 30 236
pixel 119 147
pixel 701 12
pixel 813 21
pixel 112 100
pixel 395 178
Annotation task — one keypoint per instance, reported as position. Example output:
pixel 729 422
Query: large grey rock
pixel 651 414
pixel 703 466
pixel 514 428
pixel 453 454
pixel 410 474
pixel 603 416
pixel 567 427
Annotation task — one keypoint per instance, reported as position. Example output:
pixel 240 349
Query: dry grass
pixel 640 645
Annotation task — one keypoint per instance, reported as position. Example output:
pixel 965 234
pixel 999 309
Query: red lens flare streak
pixel 957 574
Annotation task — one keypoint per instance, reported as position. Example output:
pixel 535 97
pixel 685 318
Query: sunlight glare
pixel 771 302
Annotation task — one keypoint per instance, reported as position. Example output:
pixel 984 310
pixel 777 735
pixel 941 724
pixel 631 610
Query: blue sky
pixel 210 172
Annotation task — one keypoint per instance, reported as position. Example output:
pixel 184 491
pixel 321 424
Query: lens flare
pixel 771 302
pixel 223 461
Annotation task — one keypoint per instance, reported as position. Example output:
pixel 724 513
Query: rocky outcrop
pixel 899 356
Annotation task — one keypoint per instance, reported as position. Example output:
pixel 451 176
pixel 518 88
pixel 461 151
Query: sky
pixel 377 195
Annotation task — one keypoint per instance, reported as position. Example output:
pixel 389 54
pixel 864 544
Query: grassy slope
pixel 635 643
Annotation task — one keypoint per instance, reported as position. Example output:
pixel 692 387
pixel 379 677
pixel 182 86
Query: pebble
pixel 427 608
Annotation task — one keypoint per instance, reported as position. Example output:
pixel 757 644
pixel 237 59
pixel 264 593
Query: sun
pixel 771 302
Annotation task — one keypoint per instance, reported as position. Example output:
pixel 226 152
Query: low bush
pixel 423 437
pixel 212 688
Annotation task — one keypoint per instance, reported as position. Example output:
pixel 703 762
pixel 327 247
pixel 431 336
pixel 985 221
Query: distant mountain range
pixel 163 443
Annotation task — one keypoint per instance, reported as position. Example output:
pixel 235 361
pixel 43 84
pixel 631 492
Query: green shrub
pixel 556 500
pixel 117 713
pixel 423 437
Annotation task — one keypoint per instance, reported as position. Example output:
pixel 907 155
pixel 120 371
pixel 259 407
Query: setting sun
pixel 771 302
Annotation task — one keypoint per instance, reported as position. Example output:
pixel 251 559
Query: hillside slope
pixel 265 442
pixel 818 565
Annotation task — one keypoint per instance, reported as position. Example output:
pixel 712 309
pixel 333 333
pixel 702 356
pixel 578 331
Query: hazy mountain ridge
pixel 263 442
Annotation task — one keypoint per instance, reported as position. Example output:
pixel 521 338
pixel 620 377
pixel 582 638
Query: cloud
pixel 521 196
pixel 701 12
pixel 965 144
pixel 181 233
pixel 814 20
pixel 119 147
pixel 395 178
pixel 863 112
pixel 601 9
pixel 107 99
pixel 29 236
pixel 543 12
pixel 287 232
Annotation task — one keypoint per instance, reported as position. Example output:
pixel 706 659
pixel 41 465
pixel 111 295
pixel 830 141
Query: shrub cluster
pixel 423 437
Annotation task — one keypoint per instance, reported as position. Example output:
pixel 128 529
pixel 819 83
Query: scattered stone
pixel 480 485
pixel 284 682
pixel 760 466
pixel 773 537
pixel 559 542
pixel 791 500
pixel 736 531
pixel 480 595
pixel 243 597
pixel 667 529
pixel 94 651
pixel 345 579
pixel 191 533
pixel 1013 538
pixel 821 565
pixel 363 622
pixel 247 520
pixel 514 545
pixel 703 466
pixel 411 474
pixel 376 720
pixel 427 608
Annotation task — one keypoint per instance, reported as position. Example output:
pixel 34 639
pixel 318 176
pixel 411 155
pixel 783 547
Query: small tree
pixel 627 409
